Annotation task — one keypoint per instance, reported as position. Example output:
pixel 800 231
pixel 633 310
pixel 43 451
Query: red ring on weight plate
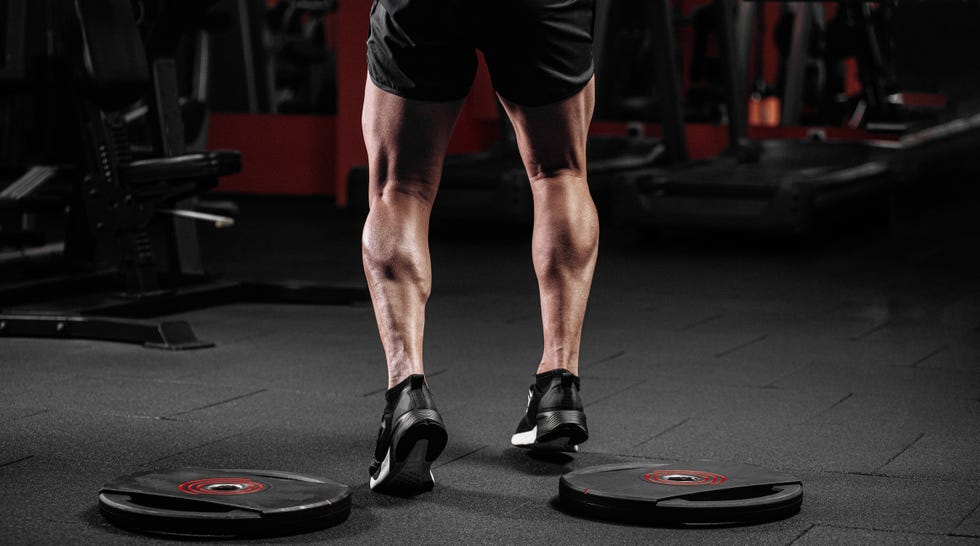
pixel 700 477
pixel 206 486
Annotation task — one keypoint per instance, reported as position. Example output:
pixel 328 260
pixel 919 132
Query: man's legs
pixel 565 240
pixel 406 142
pixel 565 244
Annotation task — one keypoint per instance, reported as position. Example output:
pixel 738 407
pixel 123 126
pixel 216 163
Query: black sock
pixel 542 380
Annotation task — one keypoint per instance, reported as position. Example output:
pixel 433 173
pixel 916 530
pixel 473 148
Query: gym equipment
pixel 130 248
pixel 12 45
pixel 684 493
pixel 772 185
pixel 208 502
pixel 305 68
pixel 242 71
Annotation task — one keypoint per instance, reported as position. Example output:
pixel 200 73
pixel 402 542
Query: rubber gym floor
pixel 849 360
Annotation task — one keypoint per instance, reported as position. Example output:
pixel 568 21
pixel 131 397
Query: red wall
pixel 292 155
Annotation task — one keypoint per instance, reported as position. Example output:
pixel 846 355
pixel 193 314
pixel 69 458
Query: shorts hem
pixel 565 94
pixel 415 96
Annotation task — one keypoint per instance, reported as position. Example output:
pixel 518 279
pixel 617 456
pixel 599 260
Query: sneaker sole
pixel 413 475
pixel 407 465
pixel 528 440
pixel 560 430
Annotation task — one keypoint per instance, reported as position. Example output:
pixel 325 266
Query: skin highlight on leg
pixel 406 142
pixel 565 239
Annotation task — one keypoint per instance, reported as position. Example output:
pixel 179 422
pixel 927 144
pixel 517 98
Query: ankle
pixel 544 368
pixel 398 377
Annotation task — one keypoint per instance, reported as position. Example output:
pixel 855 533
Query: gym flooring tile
pixel 113 438
pixel 11 413
pixel 676 395
pixel 837 448
pixel 887 504
pixel 971 523
pixel 666 345
pixel 57 489
pixel 24 352
pixel 809 345
pixel 678 366
pixel 243 321
pixel 746 317
pixel 892 381
pixel 731 310
pixel 101 359
pixel 925 414
pixel 937 455
pixel 297 411
pixel 903 319
pixel 307 367
pixel 961 355
pixel 833 534
pixel 114 395
pixel 55 501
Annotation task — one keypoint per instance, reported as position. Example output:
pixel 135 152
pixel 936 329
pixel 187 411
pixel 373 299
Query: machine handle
pixel 219 221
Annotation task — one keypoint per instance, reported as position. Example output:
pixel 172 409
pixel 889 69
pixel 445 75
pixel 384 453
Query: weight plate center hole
pixel 681 478
pixel 225 487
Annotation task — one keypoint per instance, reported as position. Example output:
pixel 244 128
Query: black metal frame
pixel 12 67
pixel 668 85
pixel 113 206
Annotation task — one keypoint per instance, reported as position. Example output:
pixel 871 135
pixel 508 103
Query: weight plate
pixel 662 493
pixel 223 502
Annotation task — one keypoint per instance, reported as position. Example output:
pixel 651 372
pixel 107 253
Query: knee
pixel 564 197
pixel 417 190
pixel 545 177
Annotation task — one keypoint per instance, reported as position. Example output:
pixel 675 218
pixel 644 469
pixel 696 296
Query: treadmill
pixel 925 38
pixel 773 185
pixel 492 186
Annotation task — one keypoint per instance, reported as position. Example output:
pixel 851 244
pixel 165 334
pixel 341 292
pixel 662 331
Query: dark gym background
pixel 788 272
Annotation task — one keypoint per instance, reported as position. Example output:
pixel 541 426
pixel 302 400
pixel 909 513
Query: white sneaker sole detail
pixel 413 474
pixel 524 439
pixel 529 440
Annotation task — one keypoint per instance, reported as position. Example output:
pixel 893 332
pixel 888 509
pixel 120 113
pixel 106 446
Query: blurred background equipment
pixel 789 184
pixel 101 228
pixel 274 57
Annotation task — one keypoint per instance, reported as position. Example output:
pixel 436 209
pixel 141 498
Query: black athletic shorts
pixel 538 51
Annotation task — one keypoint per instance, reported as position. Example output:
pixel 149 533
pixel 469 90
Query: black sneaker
pixel 412 435
pixel 554 419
